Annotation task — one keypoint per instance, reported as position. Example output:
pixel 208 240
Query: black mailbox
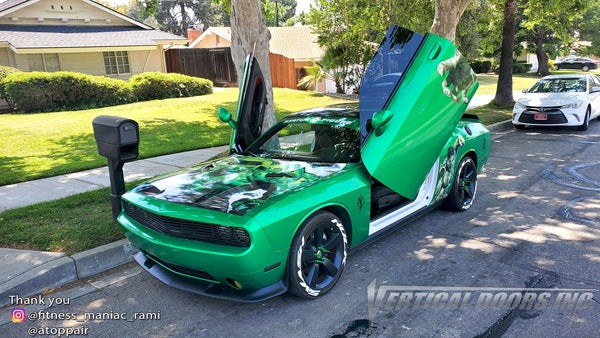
pixel 117 137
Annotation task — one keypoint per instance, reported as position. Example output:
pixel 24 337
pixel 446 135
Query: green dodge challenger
pixel 282 211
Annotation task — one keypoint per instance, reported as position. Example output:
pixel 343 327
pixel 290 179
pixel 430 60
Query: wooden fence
pixel 214 64
pixel 217 65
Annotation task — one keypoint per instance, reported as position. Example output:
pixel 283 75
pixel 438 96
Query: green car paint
pixel 401 156
pixel 225 228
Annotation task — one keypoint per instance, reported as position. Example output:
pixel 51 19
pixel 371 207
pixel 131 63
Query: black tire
pixel 585 68
pixel 557 67
pixel 317 256
pixel 586 121
pixel 519 126
pixel 464 187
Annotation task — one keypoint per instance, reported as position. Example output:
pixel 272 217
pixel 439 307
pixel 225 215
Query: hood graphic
pixel 236 184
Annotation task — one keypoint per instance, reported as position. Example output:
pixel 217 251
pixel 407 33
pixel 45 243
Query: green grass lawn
pixel 48 144
pixel 489 82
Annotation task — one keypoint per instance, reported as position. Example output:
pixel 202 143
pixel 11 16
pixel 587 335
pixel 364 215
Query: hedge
pixel 521 67
pixel 4 71
pixel 41 91
pixel 158 86
pixel 481 67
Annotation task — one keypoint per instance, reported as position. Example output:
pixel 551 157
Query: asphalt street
pixel 535 224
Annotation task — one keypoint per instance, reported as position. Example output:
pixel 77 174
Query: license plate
pixel 540 117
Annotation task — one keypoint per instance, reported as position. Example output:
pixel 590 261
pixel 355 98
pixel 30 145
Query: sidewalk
pixel 28 272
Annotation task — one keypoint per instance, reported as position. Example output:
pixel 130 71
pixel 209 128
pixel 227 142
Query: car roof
pixel 565 76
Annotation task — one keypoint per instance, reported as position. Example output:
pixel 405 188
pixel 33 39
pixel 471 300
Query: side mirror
pixel 525 90
pixel 225 116
pixel 379 120
pixel 595 89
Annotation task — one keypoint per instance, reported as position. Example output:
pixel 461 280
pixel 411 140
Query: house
pixel 79 36
pixel 292 49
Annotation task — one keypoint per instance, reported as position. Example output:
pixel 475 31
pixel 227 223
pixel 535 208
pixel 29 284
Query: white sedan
pixel 559 100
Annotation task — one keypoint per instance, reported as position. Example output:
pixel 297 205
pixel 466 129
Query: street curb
pixel 46 276
pixel 102 258
pixel 67 269
pixel 500 126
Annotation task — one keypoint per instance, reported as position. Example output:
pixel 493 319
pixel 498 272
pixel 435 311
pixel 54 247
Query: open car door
pixel 251 106
pixel 412 96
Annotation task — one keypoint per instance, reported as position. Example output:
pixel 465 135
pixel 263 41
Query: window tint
pixel 313 142
pixel 385 71
pixel 563 85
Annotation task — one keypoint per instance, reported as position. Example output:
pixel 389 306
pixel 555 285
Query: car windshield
pixel 565 85
pixel 311 139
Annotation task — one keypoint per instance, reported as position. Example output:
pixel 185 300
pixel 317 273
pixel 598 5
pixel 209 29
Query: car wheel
pixel 585 68
pixel 519 126
pixel 586 121
pixel 557 67
pixel 464 187
pixel 317 256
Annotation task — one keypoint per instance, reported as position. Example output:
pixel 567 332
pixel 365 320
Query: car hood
pixel 550 99
pixel 236 184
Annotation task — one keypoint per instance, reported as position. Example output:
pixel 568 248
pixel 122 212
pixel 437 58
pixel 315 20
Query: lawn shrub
pixel 481 67
pixel 520 67
pixel 42 91
pixel 4 71
pixel 158 86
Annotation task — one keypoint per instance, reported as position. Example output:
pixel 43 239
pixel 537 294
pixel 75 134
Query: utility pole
pixel 276 13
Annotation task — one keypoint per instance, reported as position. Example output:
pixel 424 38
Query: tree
pixel 249 32
pixel 176 16
pixel 277 12
pixel 504 95
pixel 447 15
pixel 549 22
pixel 588 29
pixel 354 28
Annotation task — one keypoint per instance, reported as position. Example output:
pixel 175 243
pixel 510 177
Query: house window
pixel 116 63
pixel 43 62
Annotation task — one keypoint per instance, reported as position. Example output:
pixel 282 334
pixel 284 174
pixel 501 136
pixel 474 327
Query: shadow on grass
pixel 79 152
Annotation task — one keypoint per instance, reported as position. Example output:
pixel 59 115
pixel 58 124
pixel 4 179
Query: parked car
pixel 559 100
pixel 577 62
pixel 282 211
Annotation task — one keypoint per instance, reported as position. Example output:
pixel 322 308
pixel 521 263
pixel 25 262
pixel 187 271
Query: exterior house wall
pixel 91 63
pixel 212 41
pixel 65 12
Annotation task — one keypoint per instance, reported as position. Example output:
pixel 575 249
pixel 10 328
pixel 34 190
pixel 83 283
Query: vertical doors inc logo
pixel 17 315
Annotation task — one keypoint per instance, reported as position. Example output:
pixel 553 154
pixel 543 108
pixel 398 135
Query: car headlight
pixel 573 105
pixel 519 106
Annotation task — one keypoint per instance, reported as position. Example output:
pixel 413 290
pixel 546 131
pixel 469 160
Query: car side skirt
pixel 424 198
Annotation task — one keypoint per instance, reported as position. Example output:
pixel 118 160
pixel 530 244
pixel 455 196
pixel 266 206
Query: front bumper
pixel 244 274
pixel 206 288
pixel 554 116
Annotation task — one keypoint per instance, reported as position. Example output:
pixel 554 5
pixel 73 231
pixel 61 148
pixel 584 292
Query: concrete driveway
pixel 535 223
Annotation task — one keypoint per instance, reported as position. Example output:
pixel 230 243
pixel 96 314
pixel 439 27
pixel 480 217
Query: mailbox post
pixel 117 139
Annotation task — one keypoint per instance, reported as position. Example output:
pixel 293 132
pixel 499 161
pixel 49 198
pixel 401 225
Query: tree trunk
pixel 447 15
pixel 542 57
pixel 504 89
pixel 248 28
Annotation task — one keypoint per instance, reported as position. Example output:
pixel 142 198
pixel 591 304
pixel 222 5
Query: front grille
pixel 544 110
pixel 553 118
pixel 181 228
pixel 183 269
